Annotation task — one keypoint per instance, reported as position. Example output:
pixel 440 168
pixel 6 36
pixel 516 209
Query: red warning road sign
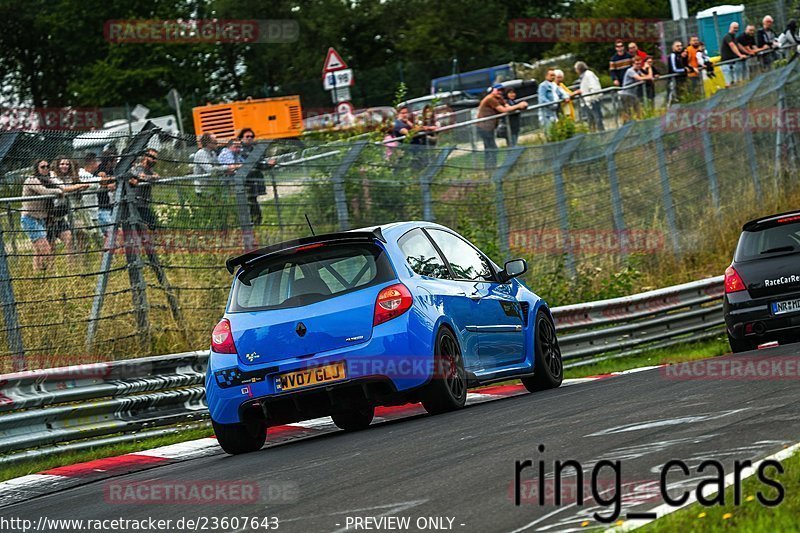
pixel 333 62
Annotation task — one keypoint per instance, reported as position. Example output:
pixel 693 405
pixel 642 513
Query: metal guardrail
pixel 43 412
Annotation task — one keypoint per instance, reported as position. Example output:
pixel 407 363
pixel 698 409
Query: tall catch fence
pixel 136 262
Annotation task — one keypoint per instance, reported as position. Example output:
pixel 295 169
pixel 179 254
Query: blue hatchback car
pixel 336 324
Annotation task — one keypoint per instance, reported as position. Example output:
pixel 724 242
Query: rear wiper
pixel 779 249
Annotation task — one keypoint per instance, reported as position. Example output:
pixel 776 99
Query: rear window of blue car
pixel 311 275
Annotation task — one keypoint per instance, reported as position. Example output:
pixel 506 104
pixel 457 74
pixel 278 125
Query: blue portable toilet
pixel 712 31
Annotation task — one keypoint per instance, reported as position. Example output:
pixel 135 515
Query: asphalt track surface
pixel 461 465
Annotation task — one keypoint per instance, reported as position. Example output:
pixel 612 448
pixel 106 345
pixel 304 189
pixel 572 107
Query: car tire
pixel 355 419
pixel 240 438
pixel 548 367
pixel 447 390
pixel 741 345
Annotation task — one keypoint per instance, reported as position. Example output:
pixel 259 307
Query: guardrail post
pixel 9 303
pixel 129 156
pixel 339 196
pixel 567 148
pixel 666 190
pixel 512 155
pixel 240 191
pixel 613 183
pixel 426 178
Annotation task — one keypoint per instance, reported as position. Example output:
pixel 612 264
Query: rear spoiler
pixel 772 221
pixel 249 258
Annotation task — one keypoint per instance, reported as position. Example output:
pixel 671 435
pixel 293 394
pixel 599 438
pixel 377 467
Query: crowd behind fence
pixel 149 276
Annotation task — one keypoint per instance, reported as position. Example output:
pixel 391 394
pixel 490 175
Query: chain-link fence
pixel 126 257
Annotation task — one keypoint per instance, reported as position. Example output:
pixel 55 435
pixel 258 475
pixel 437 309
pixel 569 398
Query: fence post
pixel 708 153
pixel 567 148
pixel 240 190
pixel 133 257
pixel 666 191
pixel 512 155
pixel 339 196
pixel 129 156
pixel 426 178
pixel 9 304
pixel 613 183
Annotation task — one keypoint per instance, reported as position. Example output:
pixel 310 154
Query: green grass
pixel 674 354
pixel 33 466
pixel 750 515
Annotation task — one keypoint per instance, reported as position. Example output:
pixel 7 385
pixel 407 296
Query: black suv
pixel 762 285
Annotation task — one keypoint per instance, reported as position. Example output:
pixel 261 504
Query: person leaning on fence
pixel 676 64
pixel 631 95
pixel 729 50
pixel 693 67
pixel 619 63
pixel 592 103
pixel 493 104
pixel 748 46
pixel 108 185
pixel 142 177
pixel 548 96
pixel 789 40
pixel 66 213
pixel 90 205
pixel 512 133
pixel 567 107
pixel 254 182
pixel 767 40
pixel 35 211
pixel 205 161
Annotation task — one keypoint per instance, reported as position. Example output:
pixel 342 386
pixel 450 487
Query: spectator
pixel 704 62
pixel 231 156
pixel 493 104
pixel 387 127
pixel 63 216
pixel 428 125
pixel 747 44
pixel 676 64
pixel 589 83
pixel 567 107
pixel 512 133
pixel 767 40
pixel 254 182
pixel 651 75
pixel 90 204
pixel 35 212
pixel 142 178
pixel 730 51
pixel 631 94
pixel 548 93
pixel 105 207
pixel 789 39
pixel 402 125
pixel 633 51
pixel 693 67
pixel 205 160
pixel 620 62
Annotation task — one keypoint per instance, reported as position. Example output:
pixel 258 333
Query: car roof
pixel 770 221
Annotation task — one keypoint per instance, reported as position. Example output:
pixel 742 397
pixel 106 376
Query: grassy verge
pixel 674 354
pixel 70 458
pixel 750 515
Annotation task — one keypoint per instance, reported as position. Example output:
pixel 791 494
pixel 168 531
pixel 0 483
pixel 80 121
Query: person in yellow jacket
pixel 567 108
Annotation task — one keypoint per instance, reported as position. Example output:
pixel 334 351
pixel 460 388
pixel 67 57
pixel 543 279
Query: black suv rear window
pixel 309 276
pixel 776 240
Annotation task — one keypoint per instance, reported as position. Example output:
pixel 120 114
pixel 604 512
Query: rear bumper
pixel 392 362
pixel 752 318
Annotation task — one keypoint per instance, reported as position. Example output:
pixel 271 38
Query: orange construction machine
pixel 269 118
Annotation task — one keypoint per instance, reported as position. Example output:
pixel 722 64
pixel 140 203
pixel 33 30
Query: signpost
pixel 338 78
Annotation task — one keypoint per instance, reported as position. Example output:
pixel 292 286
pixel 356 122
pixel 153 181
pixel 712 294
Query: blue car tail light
pixel 392 302
pixel 222 337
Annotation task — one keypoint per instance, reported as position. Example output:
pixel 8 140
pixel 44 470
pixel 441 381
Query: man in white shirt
pixel 205 160
pixel 592 103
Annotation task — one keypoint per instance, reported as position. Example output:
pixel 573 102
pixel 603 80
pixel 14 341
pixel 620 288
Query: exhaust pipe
pixel 759 328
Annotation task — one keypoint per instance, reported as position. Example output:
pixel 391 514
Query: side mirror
pixel 512 269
